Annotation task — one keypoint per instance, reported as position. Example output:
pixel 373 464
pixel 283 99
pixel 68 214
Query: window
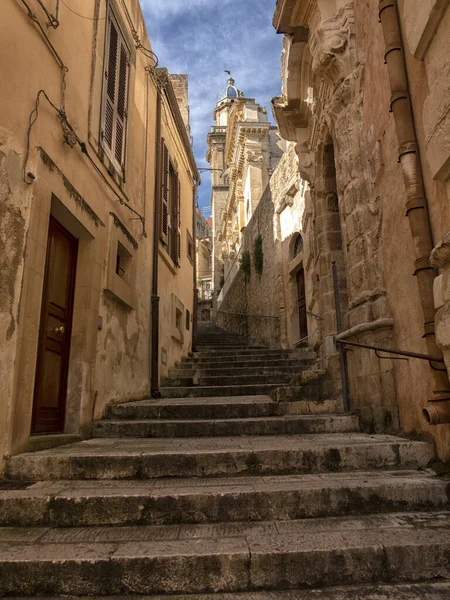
pixel 178 317
pixel 188 319
pixel 170 207
pixel 298 245
pixel 122 262
pixel 190 248
pixel 115 94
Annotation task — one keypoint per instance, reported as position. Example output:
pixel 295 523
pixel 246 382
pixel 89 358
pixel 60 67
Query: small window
pixel 123 258
pixel 178 317
pixel 188 319
pixel 298 245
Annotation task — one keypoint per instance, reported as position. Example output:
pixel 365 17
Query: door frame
pixel 297 277
pixel 65 356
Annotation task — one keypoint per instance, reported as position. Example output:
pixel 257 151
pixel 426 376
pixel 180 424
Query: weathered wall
pixel 263 306
pixel 180 85
pixel 110 343
pixel 355 214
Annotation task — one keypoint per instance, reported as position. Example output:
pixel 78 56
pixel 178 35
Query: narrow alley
pixel 225 299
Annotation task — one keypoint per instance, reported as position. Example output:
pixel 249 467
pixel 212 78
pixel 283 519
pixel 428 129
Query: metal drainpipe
pixel 154 349
pixel 438 410
pixel 194 237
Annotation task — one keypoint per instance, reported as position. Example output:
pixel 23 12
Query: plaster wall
pixel 109 351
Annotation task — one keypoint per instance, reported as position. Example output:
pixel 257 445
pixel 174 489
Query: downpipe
pixel 154 348
pixel 438 410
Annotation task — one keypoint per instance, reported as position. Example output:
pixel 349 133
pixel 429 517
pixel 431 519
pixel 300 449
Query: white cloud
pixel 202 38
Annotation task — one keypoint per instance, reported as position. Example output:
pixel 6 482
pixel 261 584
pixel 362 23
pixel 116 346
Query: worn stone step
pixel 228 345
pixel 198 408
pixel 249 357
pixel 307 353
pixel 438 590
pixel 228 557
pixel 122 458
pixel 197 373
pixel 287 425
pixel 221 367
pixel 74 503
pixel 255 378
pixel 220 390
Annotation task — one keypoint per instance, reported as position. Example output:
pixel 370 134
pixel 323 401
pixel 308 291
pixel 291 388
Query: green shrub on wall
pixel 258 255
pixel 246 265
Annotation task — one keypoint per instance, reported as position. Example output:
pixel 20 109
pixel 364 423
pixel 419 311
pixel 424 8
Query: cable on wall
pixel 82 16
pixel 52 20
pixel 66 124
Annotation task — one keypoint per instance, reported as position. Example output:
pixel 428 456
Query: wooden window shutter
pixel 115 95
pixel 111 76
pixel 164 193
pixel 122 97
pixel 178 220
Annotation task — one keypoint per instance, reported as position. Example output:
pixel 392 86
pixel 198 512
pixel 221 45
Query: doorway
pixel 301 298
pixel 52 365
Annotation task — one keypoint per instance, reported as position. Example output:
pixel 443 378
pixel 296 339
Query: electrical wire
pixel 139 45
pixel 52 20
pixel 31 121
pixel 83 16
pixel 63 117
pixel 64 69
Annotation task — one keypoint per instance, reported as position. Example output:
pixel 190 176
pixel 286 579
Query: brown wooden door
pixel 55 330
pixel 301 296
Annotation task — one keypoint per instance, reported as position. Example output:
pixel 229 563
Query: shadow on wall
pixel 251 306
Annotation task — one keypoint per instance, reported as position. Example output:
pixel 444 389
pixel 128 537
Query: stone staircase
pixel 227 496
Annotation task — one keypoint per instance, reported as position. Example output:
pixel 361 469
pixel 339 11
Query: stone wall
pixel 180 86
pixel 335 105
pixel 263 306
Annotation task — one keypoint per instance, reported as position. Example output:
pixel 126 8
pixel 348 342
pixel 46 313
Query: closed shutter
pixel 122 97
pixel 165 194
pixel 178 221
pixel 115 95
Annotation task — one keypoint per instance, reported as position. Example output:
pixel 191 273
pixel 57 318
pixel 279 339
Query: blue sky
pixel 204 37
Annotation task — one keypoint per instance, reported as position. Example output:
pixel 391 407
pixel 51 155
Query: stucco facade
pixel 59 165
pixel 243 150
pixel 367 167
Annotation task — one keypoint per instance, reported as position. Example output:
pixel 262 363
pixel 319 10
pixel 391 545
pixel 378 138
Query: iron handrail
pixel 418 355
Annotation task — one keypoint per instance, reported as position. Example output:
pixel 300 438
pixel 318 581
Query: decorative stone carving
pixel 440 255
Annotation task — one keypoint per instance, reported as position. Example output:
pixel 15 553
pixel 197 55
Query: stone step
pixel 227 557
pixel 123 458
pixel 226 380
pixel 439 590
pixel 178 373
pixel 249 357
pixel 254 352
pixel 287 425
pixel 250 366
pixel 220 390
pixel 198 408
pixel 72 503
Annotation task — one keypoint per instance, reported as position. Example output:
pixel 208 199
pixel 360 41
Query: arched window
pixel 298 245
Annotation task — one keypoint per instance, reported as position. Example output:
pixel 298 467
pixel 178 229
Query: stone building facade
pixel 365 100
pixel 204 256
pixel 85 156
pixel 243 149
pixel 265 303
